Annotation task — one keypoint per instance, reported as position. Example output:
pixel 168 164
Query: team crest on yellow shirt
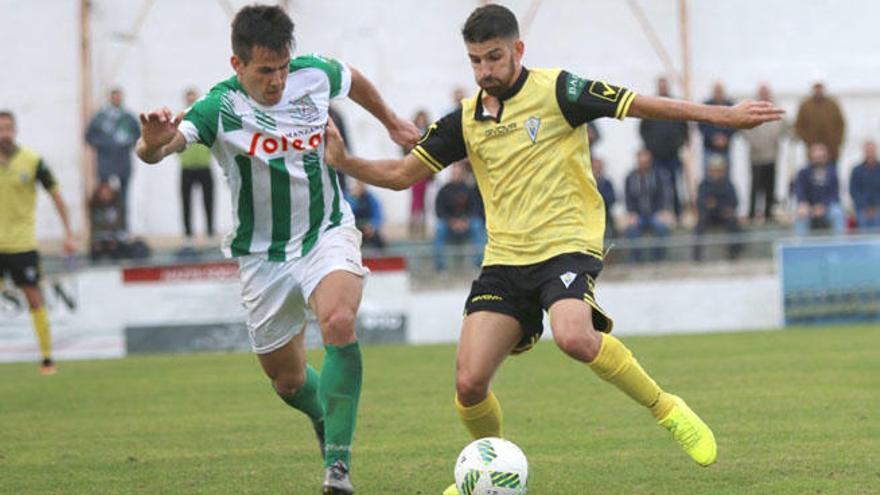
pixel 532 125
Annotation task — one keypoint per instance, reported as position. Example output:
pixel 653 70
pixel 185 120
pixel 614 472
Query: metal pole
pixel 530 17
pixel 690 158
pixel 87 163
pixel 656 44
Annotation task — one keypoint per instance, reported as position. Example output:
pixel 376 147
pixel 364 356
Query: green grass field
pixel 794 412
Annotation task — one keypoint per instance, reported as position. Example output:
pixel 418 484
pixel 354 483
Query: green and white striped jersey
pixel 283 195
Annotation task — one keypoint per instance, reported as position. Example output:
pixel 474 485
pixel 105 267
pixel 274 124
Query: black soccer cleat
pixel 337 481
pixel 48 368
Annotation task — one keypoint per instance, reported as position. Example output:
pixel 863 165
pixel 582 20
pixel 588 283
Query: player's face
pixel 496 63
pixel 871 151
pixel 264 75
pixel 7 135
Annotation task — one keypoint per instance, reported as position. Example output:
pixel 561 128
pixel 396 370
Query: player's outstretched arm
pixel 744 115
pixel 397 174
pixel 61 208
pixel 159 135
pixel 365 94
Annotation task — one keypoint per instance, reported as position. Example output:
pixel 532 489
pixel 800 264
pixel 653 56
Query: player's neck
pixel 491 105
pixel 6 157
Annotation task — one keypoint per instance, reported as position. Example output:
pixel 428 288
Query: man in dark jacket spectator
pixel 113 133
pixel 864 187
pixel 609 197
pixel 367 213
pixel 716 140
pixel 664 139
pixel 716 206
pixel 817 190
pixel 458 208
pixel 648 193
pixel 108 235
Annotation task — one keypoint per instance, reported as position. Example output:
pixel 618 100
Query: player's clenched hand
pixel 334 146
pixel 159 127
pixel 750 113
pixel 404 133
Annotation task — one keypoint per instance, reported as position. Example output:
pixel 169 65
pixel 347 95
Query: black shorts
pixel 524 292
pixel 24 267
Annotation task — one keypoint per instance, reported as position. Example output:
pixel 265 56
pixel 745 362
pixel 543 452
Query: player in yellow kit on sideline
pixel 525 134
pixel 20 170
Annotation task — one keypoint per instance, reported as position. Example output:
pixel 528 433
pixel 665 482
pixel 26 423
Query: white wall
pixel 413 52
pixel 106 306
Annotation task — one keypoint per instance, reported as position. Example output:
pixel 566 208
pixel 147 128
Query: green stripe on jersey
pixel 231 120
pixel 265 120
pixel 245 232
pixel 331 67
pixel 336 214
pixel 209 110
pixel 312 164
pixel 279 182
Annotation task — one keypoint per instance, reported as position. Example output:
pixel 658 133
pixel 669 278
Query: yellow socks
pixel 483 419
pixel 615 364
pixel 40 318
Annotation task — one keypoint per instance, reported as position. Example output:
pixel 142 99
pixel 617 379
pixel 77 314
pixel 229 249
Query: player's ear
pixel 236 63
pixel 519 48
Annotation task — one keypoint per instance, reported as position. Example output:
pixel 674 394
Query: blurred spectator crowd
pixel 655 199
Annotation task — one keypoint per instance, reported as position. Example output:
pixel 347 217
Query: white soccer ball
pixel 491 466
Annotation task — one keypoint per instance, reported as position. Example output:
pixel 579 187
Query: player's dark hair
pixel 7 114
pixel 489 22
pixel 268 26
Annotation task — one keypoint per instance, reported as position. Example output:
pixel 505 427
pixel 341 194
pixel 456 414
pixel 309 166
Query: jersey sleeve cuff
pixel 623 106
pixel 428 160
pixel 189 131
pixel 344 81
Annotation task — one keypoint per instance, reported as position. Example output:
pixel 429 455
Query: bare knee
pixel 34 297
pixel 470 389
pixel 581 344
pixel 288 383
pixel 338 325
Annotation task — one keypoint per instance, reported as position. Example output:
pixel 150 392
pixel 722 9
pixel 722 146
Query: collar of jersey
pixel 510 93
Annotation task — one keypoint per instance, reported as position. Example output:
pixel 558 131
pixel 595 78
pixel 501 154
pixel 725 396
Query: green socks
pixel 339 392
pixel 306 398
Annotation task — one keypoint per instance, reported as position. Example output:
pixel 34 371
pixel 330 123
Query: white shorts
pixel 276 294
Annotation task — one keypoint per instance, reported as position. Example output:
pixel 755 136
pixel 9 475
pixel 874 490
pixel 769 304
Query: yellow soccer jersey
pixel 18 200
pixel 532 163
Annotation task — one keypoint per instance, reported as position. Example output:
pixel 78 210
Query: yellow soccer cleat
pixel 452 490
pixel 690 432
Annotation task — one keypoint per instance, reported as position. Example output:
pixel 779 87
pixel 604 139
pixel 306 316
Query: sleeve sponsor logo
pixel 574 87
pixel 605 91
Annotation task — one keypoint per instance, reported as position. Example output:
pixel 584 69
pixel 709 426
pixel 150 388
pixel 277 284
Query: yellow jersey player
pixel 525 135
pixel 20 170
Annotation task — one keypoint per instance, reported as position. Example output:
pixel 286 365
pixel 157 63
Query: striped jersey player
pixel 284 198
pixel 294 236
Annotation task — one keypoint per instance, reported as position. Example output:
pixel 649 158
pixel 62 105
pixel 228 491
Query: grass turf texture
pixel 794 412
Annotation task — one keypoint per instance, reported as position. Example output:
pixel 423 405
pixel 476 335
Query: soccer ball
pixel 491 466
